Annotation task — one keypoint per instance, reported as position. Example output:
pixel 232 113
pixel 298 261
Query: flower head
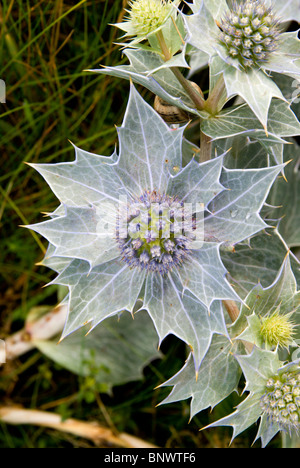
pixel 277 329
pixel 146 17
pixel 249 33
pixel 155 239
pixel 274 396
pixel 246 44
pixel 281 400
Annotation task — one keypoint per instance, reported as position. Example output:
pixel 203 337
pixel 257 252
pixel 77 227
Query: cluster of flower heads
pixel 150 232
pixel 281 400
pixel 146 16
pixel 250 33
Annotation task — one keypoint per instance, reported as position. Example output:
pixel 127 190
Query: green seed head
pixel 281 400
pixel 249 33
pixel 147 16
pixel 277 330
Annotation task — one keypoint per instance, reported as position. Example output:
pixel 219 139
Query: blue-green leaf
pixel 99 293
pixel 234 213
pixel 178 312
pixel 163 83
pixel 217 377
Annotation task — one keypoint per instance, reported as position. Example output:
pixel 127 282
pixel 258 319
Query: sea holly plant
pixel 188 225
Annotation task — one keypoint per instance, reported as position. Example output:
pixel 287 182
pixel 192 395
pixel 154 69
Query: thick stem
pixel 233 312
pixel 197 99
pixel 214 103
pixel 205 147
pixel 232 309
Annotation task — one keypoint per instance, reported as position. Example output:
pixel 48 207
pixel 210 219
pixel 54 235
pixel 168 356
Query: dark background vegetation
pixel 44 48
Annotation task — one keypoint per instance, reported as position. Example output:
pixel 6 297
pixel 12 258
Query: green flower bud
pixel 249 33
pixel 146 17
pixel 277 330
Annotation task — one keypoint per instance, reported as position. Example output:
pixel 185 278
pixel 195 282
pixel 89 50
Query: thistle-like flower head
pixel 281 400
pixel 146 17
pixel 244 42
pixel 249 33
pixel 277 329
pixel 154 240
pixel 130 227
pixel 274 396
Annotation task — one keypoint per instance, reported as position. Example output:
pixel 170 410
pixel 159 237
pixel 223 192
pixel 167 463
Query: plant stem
pixel 205 147
pixel 44 328
pixel 232 309
pixel 233 312
pixel 214 103
pixel 89 430
pixel 197 99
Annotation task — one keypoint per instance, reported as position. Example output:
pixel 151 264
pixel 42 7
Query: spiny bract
pixel 250 33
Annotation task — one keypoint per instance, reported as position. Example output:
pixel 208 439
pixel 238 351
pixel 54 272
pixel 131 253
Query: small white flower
pixel 256 22
pixel 244 20
pixel 248 31
pixel 155 251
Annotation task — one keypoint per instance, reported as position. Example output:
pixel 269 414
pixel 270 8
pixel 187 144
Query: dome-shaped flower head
pixel 250 33
pixel 281 400
pixel 146 17
pixel 131 226
pixel 274 396
pixel 245 42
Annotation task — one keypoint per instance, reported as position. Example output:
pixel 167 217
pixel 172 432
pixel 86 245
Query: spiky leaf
pixel 217 377
pixel 281 295
pixel 174 310
pixel 286 196
pixel 257 367
pixel 162 83
pixel 282 122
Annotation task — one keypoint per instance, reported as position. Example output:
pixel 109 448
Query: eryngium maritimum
pixel 281 400
pixel 181 281
pixel 247 50
pixel 277 329
pixel 146 17
pixel 249 33
pixel 274 396
pixel 156 238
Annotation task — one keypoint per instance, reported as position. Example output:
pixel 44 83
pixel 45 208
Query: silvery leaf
pixel 178 312
pixel 234 213
pixel 282 122
pixel 99 293
pixel 217 377
pixel 163 83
